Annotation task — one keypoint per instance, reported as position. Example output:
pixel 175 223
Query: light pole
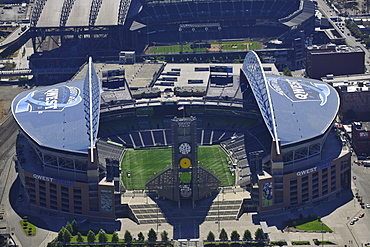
pixel 218 213
pixel 322 234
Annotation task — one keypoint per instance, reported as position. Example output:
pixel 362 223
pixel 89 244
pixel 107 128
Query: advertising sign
pixel 267 195
pixel 51 99
pixel 106 201
pixel 300 91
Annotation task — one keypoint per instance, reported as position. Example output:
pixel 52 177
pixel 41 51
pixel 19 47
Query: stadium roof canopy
pixel 82 13
pixel 63 116
pixel 294 109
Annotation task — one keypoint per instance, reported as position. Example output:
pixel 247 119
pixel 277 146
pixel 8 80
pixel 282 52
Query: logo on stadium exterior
pixel 52 99
pixel 298 91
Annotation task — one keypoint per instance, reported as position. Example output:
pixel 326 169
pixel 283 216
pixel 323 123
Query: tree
pixel 115 237
pixel 79 238
pixel 287 72
pixel 102 236
pixel 152 235
pixel 60 237
pixel 69 227
pixel 211 236
pixel 235 236
pixel 164 236
pixel 223 235
pixel 74 227
pixel 128 236
pixel 90 237
pixel 294 224
pixel 67 236
pixel 259 235
pixel 247 235
pixel 140 237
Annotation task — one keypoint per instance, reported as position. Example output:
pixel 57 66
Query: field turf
pixel 225 46
pixel 143 165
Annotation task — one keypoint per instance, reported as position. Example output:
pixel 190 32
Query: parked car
pixel 361 215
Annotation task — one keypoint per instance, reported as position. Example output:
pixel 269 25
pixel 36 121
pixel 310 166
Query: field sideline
pixel 143 165
pixel 223 46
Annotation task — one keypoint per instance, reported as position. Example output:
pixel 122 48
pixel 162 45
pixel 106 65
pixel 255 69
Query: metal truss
pixel 302 153
pixel 36 12
pixel 43 38
pixel 123 10
pixel 51 160
pixel 95 7
pixel 164 184
pixel 207 183
pixel 66 10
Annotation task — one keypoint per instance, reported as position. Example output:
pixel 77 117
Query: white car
pixel 355 219
pixel 367 205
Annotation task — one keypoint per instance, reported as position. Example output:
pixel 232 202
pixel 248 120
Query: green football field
pixel 224 46
pixel 143 165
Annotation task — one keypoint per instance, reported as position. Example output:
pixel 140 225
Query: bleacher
pixel 226 205
pixel 143 132
pixel 109 150
pixel 239 19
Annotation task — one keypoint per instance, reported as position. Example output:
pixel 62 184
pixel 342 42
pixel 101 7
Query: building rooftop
pixel 349 83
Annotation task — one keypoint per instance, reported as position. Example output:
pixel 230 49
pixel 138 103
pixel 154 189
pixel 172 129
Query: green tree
pixel 223 235
pixel 247 235
pixel 164 236
pixel 102 236
pixel 79 238
pixel 235 236
pixel 294 224
pixel 61 235
pixel 69 227
pixel 90 237
pixel 259 235
pixel 74 227
pixel 128 236
pixel 115 237
pixel 67 236
pixel 140 237
pixel 210 236
pixel 287 72
pixel 152 235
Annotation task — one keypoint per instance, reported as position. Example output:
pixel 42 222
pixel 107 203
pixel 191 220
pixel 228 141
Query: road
pixel 328 12
pixel 9 190
pixel 361 228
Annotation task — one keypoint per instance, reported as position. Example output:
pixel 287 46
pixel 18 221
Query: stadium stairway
pixel 226 205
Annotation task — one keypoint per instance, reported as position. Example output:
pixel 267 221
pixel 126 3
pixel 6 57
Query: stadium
pixel 276 132
pixel 61 30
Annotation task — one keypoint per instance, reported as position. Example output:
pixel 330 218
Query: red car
pixel 361 215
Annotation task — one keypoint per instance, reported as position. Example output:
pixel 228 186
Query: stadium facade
pixel 275 129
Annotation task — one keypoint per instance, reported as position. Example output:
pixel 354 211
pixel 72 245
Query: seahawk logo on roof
pixel 51 99
pixel 298 91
